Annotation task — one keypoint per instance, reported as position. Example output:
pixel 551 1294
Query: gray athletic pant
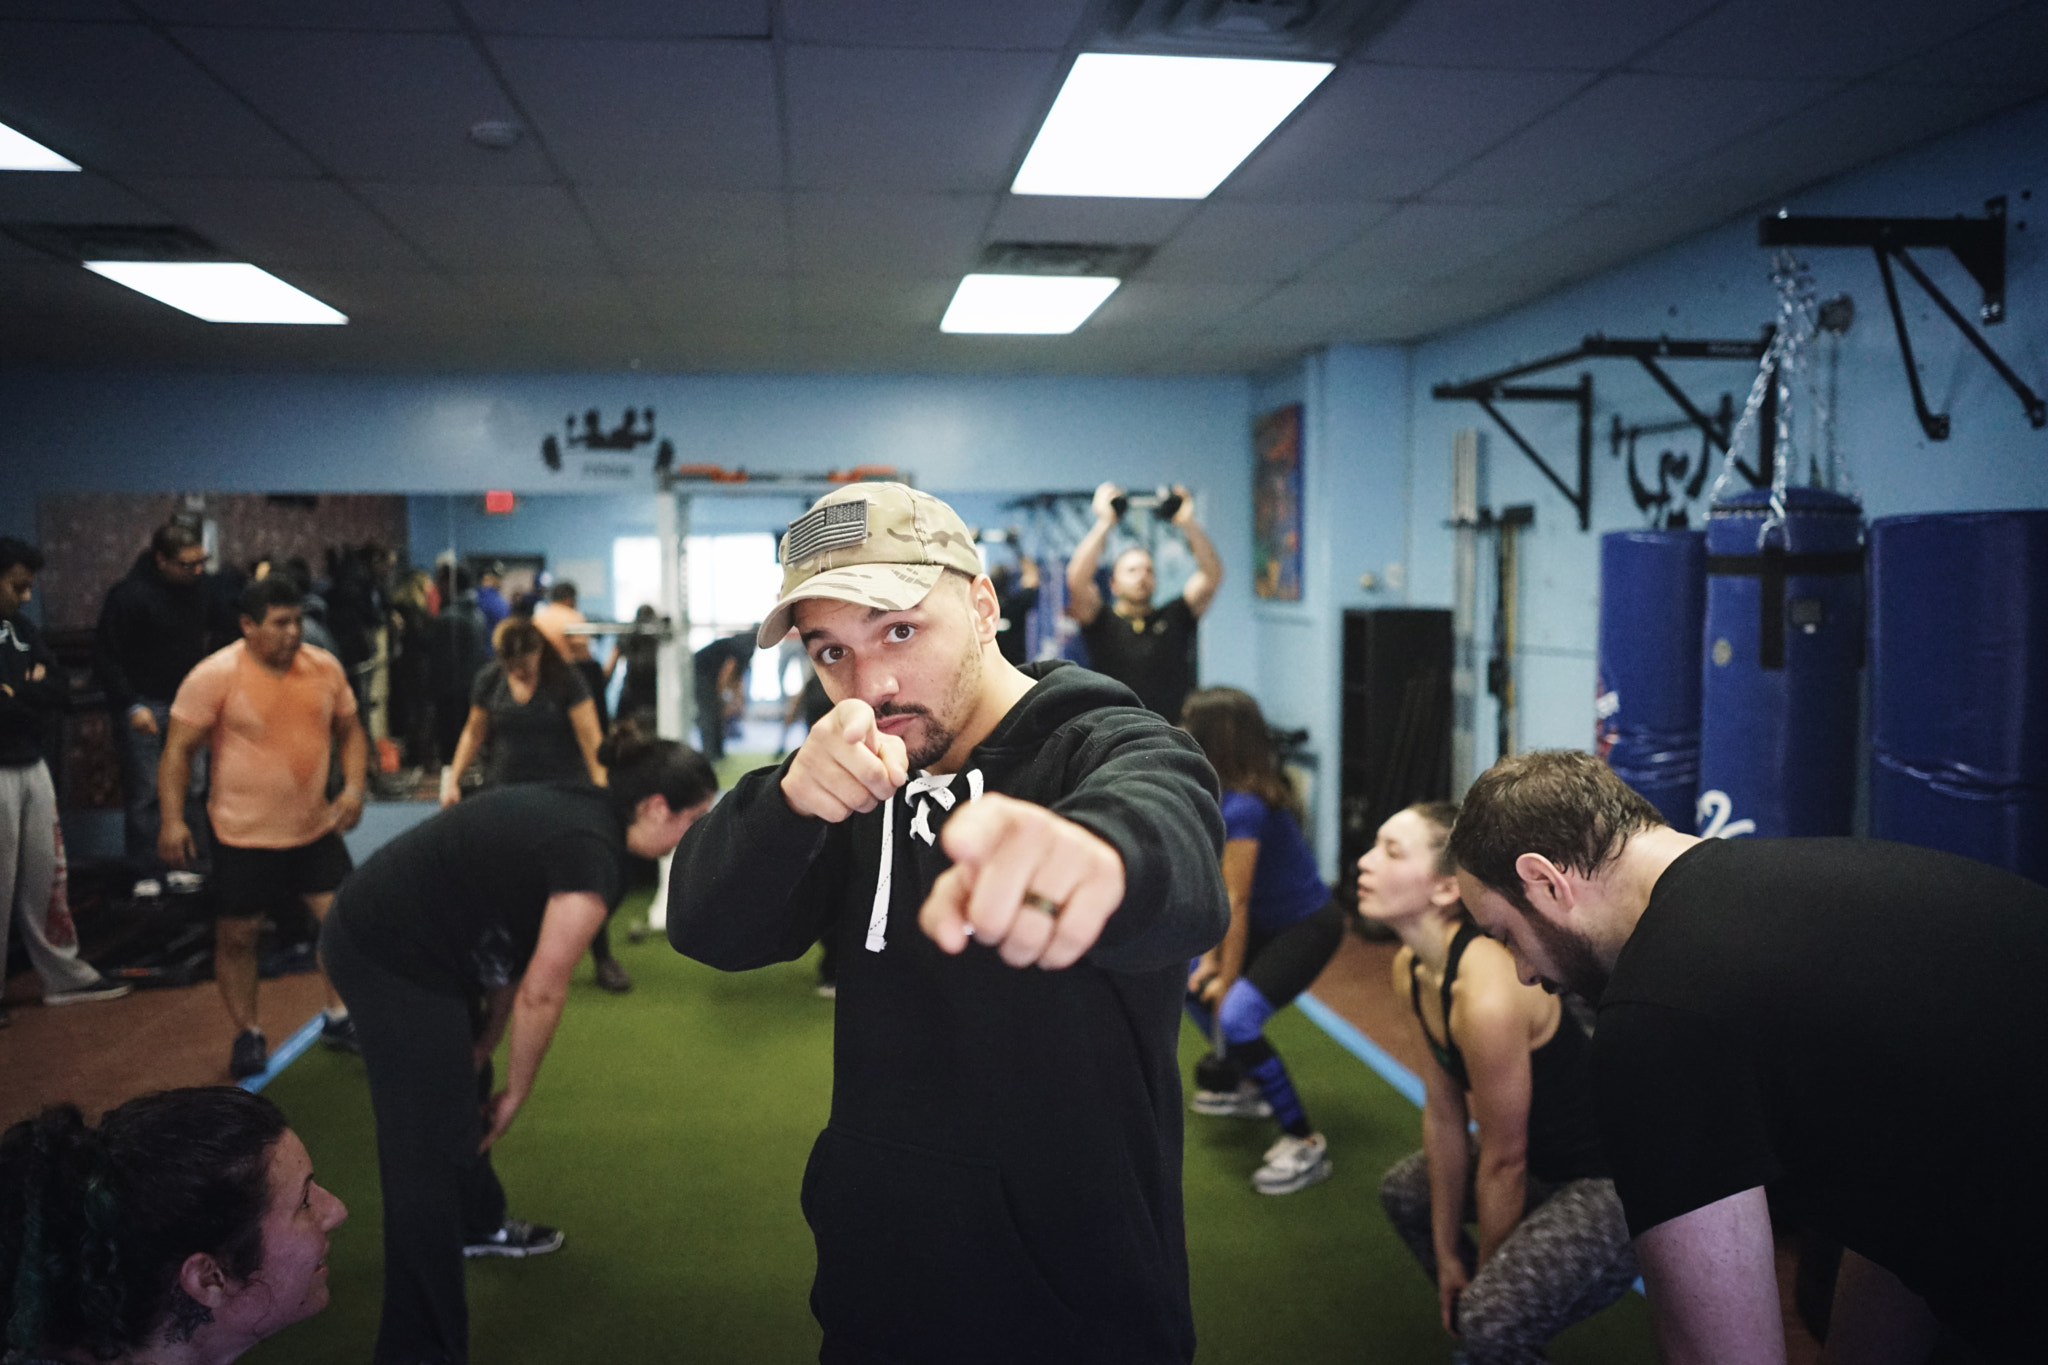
pixel 1566 1260
pixel 33 883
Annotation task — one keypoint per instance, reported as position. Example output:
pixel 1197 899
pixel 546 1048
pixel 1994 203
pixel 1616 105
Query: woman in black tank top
pixel 1509 1061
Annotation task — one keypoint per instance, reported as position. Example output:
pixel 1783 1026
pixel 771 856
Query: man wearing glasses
pixel 152 630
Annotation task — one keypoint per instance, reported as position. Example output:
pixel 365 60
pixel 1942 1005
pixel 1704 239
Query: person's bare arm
pixel 475 731
pixel 1450 1161
pixel 583 720
pixel 1876 1320
pixel 568 924
pixel 173 780
pixel 1221 965
pixel 1491 1027
pixel 1200 589
pixel 355 772
pixel 1713 1285
pixel 1084 603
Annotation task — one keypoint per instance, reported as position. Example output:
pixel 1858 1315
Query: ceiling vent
pixel 1062 258
pixel 1323 30
pixel 116 241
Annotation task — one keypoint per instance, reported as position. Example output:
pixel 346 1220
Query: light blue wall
pixel 1717 285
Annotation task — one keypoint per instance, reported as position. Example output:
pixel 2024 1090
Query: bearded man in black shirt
pixel 1149 649
pixel 1854 1024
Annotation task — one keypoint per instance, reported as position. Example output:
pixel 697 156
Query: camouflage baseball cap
pixel 881 545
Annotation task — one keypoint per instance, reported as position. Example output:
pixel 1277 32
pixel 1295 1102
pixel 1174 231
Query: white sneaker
pixel 183 883
pixel 148 889
pixel 1293 1164
pixel 100 989
pixel 1245 1102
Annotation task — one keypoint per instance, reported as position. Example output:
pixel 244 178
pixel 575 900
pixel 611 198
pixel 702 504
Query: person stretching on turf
pixel 1283 929
pixel 1553 1246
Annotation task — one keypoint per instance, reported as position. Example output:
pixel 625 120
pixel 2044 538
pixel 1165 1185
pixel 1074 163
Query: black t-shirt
pixel 1153 655
pixel 533 741
pixel 454 904
pixel 710 659
pixel 1858 1025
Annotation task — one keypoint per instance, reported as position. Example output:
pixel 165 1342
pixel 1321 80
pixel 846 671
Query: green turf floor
pixel 668 1134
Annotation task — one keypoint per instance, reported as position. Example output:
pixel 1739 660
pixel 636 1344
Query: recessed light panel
pixel 1037 305
pixel 219 291
pixel 1136 127
pixel 20 152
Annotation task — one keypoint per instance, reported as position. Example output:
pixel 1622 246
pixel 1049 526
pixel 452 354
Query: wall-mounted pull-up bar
pixel 1977 243
pixel 1647 352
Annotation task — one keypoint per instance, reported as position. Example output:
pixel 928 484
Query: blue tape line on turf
pixel 286 1054
pixel 1365 1049
pixel 1372 1054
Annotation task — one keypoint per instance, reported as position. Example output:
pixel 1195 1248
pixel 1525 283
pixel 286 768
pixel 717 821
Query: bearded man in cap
pixel 1015 866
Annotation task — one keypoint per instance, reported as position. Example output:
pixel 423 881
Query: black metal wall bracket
pixel 1977 243
pixel 1491 389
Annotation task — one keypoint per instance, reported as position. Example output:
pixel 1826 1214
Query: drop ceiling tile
pixel 1856 126
pixel 716 232
pixel 1386 132
pixel 1621 132
pixel 881 303
pixel 1234 240
pixel 1795 40
pixel 377 106
pixel 680 115
pixel 284 222
pixel 1047 24
pixel 685 304
pixel 1060 218
pixel 1424 242
pixel 1600 239
pixel 74 11
pixel 417 16
pixel 898 119
pixel 1589 35
pixel 70 197
pixel 1311 313
pixel 622 18
pixel 120 99
pixel 928 236
pixel 385 298
pixel 564 298
pixel 2006 51
pixel 468 229
pixel 1143 304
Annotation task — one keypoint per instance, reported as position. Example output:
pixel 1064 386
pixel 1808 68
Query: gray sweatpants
pixel 32 878
pixel 1566 1260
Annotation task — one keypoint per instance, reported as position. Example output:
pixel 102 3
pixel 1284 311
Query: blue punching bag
pixel 1783 643
pixel 1959 685
pixel 1653 598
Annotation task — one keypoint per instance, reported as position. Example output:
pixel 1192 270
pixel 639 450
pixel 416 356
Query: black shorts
pixel 252 882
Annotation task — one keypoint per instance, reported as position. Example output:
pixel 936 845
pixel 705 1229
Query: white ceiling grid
pixel 799 184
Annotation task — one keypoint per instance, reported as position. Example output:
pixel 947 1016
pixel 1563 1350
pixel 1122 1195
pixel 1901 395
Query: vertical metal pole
pixel 1465 453
pixel 672 694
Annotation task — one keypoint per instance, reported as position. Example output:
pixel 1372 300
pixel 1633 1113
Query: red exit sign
pixel 499 500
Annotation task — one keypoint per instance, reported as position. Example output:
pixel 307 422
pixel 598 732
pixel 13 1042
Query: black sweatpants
pixel 439 1194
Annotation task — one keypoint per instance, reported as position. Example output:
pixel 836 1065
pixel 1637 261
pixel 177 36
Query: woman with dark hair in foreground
pixel 459 932
pixel 182 1230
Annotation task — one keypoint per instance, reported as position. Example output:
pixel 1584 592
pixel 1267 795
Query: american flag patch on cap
pixel 834 526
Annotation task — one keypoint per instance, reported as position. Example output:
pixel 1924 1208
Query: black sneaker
pixel 612 977
pixel 251 1055
pixel 340 1034
pixel 517 1238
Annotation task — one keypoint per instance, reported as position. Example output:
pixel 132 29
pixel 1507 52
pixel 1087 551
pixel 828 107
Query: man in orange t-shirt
pixel 268 707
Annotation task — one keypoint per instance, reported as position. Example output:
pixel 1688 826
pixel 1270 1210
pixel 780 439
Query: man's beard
pixel 938 736
pixel 1572 955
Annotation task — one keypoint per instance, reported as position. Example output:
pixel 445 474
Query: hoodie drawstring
pixel 925 784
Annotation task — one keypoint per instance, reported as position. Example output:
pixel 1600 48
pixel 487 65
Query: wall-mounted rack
pixel 1978 244
pixel 1491 390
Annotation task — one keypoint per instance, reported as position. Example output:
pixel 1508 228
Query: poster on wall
pixel 1276 504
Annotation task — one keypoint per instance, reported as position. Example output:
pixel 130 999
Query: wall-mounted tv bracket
pixel 1647 352
pixel 1977 243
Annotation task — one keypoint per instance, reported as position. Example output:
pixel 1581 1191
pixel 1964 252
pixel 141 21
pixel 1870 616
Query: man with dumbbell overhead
pixel 1015 866
pixel 1149 649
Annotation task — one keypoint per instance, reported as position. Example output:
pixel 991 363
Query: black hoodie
pixel 1000 1180
pixel 151 632
pixel 26 706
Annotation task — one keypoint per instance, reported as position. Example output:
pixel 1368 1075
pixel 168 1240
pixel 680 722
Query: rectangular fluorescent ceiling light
pixel 1135 127
pixel 219 291
pixel 20 152
pixel 1035 305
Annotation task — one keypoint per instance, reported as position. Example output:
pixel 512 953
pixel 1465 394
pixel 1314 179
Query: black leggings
pixel 439 1192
